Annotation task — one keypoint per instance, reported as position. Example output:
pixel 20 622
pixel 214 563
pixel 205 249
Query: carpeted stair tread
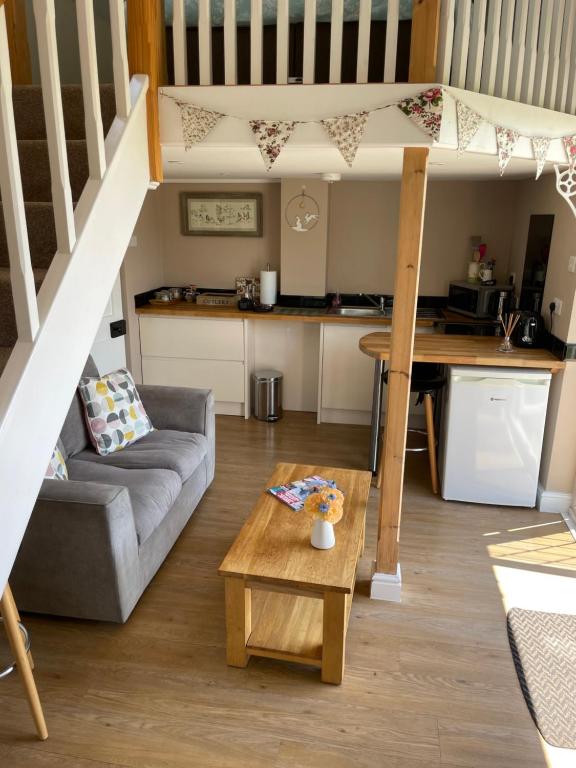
pixel 29 111
pixel 8 335
pixel 41 235
pixel 35 169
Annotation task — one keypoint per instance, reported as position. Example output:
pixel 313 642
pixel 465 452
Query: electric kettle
pixel 529 330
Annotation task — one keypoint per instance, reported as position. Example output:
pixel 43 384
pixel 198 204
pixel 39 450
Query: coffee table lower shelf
pixel 302 628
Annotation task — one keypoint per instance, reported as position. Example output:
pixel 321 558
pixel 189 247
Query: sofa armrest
pixel 79 556
pixel 179 408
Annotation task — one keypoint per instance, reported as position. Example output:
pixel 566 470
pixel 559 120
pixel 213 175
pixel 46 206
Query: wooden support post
pixel 16 25
pixel 412 204
pixel 147 56
pixel 424 41
pixel 23 663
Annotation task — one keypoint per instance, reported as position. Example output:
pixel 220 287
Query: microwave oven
pixel 476 299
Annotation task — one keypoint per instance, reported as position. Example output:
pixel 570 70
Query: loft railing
pixel 374 44
pixel 522 50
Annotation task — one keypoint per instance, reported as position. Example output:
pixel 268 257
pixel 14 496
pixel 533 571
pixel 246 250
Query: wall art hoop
pixel 302 212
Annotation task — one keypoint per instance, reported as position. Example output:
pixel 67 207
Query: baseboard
pixel 553 501
pixel 387 586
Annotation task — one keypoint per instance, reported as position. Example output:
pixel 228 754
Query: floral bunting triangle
pixel 197 122
pixel 346 132
pixel 540 146
pixel 506 139
pixel 271 135
pixel 468 123
pixel 570 147
pixel 425 110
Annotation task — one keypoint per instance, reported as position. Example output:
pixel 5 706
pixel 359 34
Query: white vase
pixel 322 535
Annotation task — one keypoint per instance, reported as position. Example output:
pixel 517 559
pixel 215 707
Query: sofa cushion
pixel 74 434
pixel 57 466
pixel 181 452
pixel 152 491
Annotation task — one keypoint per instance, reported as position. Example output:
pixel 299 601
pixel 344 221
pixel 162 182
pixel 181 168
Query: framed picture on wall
pixel 237 214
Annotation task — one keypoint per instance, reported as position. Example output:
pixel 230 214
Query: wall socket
pixel 558 306
pixel 572 264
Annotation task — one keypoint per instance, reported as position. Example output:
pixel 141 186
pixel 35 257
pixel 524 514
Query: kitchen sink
pixel 360 312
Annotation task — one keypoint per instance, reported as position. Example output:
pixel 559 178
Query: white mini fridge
pixel 492 434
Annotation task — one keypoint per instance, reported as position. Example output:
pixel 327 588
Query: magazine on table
pixel 295 494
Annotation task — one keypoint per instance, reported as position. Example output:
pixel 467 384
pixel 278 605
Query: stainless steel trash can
pixel 267 395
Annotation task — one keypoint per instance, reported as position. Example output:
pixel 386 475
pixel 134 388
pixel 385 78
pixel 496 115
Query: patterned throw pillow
pixel 114 412
pixel 57 467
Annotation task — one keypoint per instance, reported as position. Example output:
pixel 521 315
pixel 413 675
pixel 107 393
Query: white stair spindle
pixel 391 50
pixel 529 70
pixel 505 45
pixel 21 275
pixel 568 43
pixel 180 43
pixel 336 27
pixel 120 58
pixel 205 42
pixel 363 57
pixel 461 42
pixel 560 12
pixel 445 41
pixel 549 7
pixel 90 89
pixel 282 34
pixel 571 86
pixel 230 42
pixel 45 18
pixel 518 51
pixel 256 55
pixel 476 49
pixel 309 58
pixel 491 46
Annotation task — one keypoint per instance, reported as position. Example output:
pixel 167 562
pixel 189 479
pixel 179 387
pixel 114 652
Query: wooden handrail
pixel 17 28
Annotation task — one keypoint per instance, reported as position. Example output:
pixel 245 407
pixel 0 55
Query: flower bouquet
pixel 325 506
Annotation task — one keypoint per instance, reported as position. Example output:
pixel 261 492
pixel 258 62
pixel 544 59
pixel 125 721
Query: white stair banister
pixel 230 42
pixel 90 88
pixel 309 58
pixel 256 56
pixel 491 47
pixel 518 51
pixel 120 58
pixel 282 35
pixel 476 49
pixel 180 44
pixel 21 275
pixel 45 18
pixel 205 42
pixel 560 12
pixel 568 45
pixel 391 49
pixel 363 57
pixel 461 43
pixel 505 48
pixel 529 69
pixel 336 27
pixel 549 7
pixel 445 40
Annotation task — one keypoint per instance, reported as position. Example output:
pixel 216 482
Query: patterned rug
pixel 544 651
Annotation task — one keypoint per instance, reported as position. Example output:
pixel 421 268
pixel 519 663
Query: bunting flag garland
pixel 346 132
pixel 540 146
pixel 197 122
pixel 425 110
pixel 468 123
pixel 566 185
pixel 506 139
pixel 570 147
pixel 271 135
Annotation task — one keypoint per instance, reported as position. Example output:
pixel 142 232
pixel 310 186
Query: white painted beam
pixel 90 88
pixel 179 43
pixel 21 275
pixel 120 58
pixel 45 18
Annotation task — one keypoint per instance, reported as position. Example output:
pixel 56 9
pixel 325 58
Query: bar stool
pixel 426 380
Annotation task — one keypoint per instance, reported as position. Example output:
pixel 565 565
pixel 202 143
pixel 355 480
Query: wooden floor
pixel 428 683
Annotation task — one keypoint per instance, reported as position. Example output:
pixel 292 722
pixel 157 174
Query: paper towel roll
pixel 268 287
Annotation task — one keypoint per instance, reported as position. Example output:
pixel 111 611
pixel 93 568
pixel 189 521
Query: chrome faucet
pixel 380 304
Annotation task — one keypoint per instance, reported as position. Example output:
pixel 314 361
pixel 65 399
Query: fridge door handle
pixel 497 382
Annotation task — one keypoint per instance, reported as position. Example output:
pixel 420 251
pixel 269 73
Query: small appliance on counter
pixel 529 331
pixel 478 300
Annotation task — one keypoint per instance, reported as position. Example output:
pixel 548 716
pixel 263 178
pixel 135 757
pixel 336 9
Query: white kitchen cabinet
pixel 197 352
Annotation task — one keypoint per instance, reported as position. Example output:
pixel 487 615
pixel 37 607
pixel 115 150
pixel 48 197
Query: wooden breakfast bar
pixel 448 350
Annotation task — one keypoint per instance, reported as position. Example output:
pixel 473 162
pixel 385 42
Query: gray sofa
pixel 94 542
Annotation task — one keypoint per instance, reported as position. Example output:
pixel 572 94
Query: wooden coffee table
pixel 285 599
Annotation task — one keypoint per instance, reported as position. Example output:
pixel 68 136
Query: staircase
pixel 36 184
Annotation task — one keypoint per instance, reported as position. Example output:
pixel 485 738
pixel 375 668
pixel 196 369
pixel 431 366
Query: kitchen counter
pixel 463 350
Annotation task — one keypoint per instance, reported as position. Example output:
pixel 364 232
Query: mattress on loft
pixel 323 11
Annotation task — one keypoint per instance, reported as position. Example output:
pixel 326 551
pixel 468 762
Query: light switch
pixel 572 264
pixel 558 307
